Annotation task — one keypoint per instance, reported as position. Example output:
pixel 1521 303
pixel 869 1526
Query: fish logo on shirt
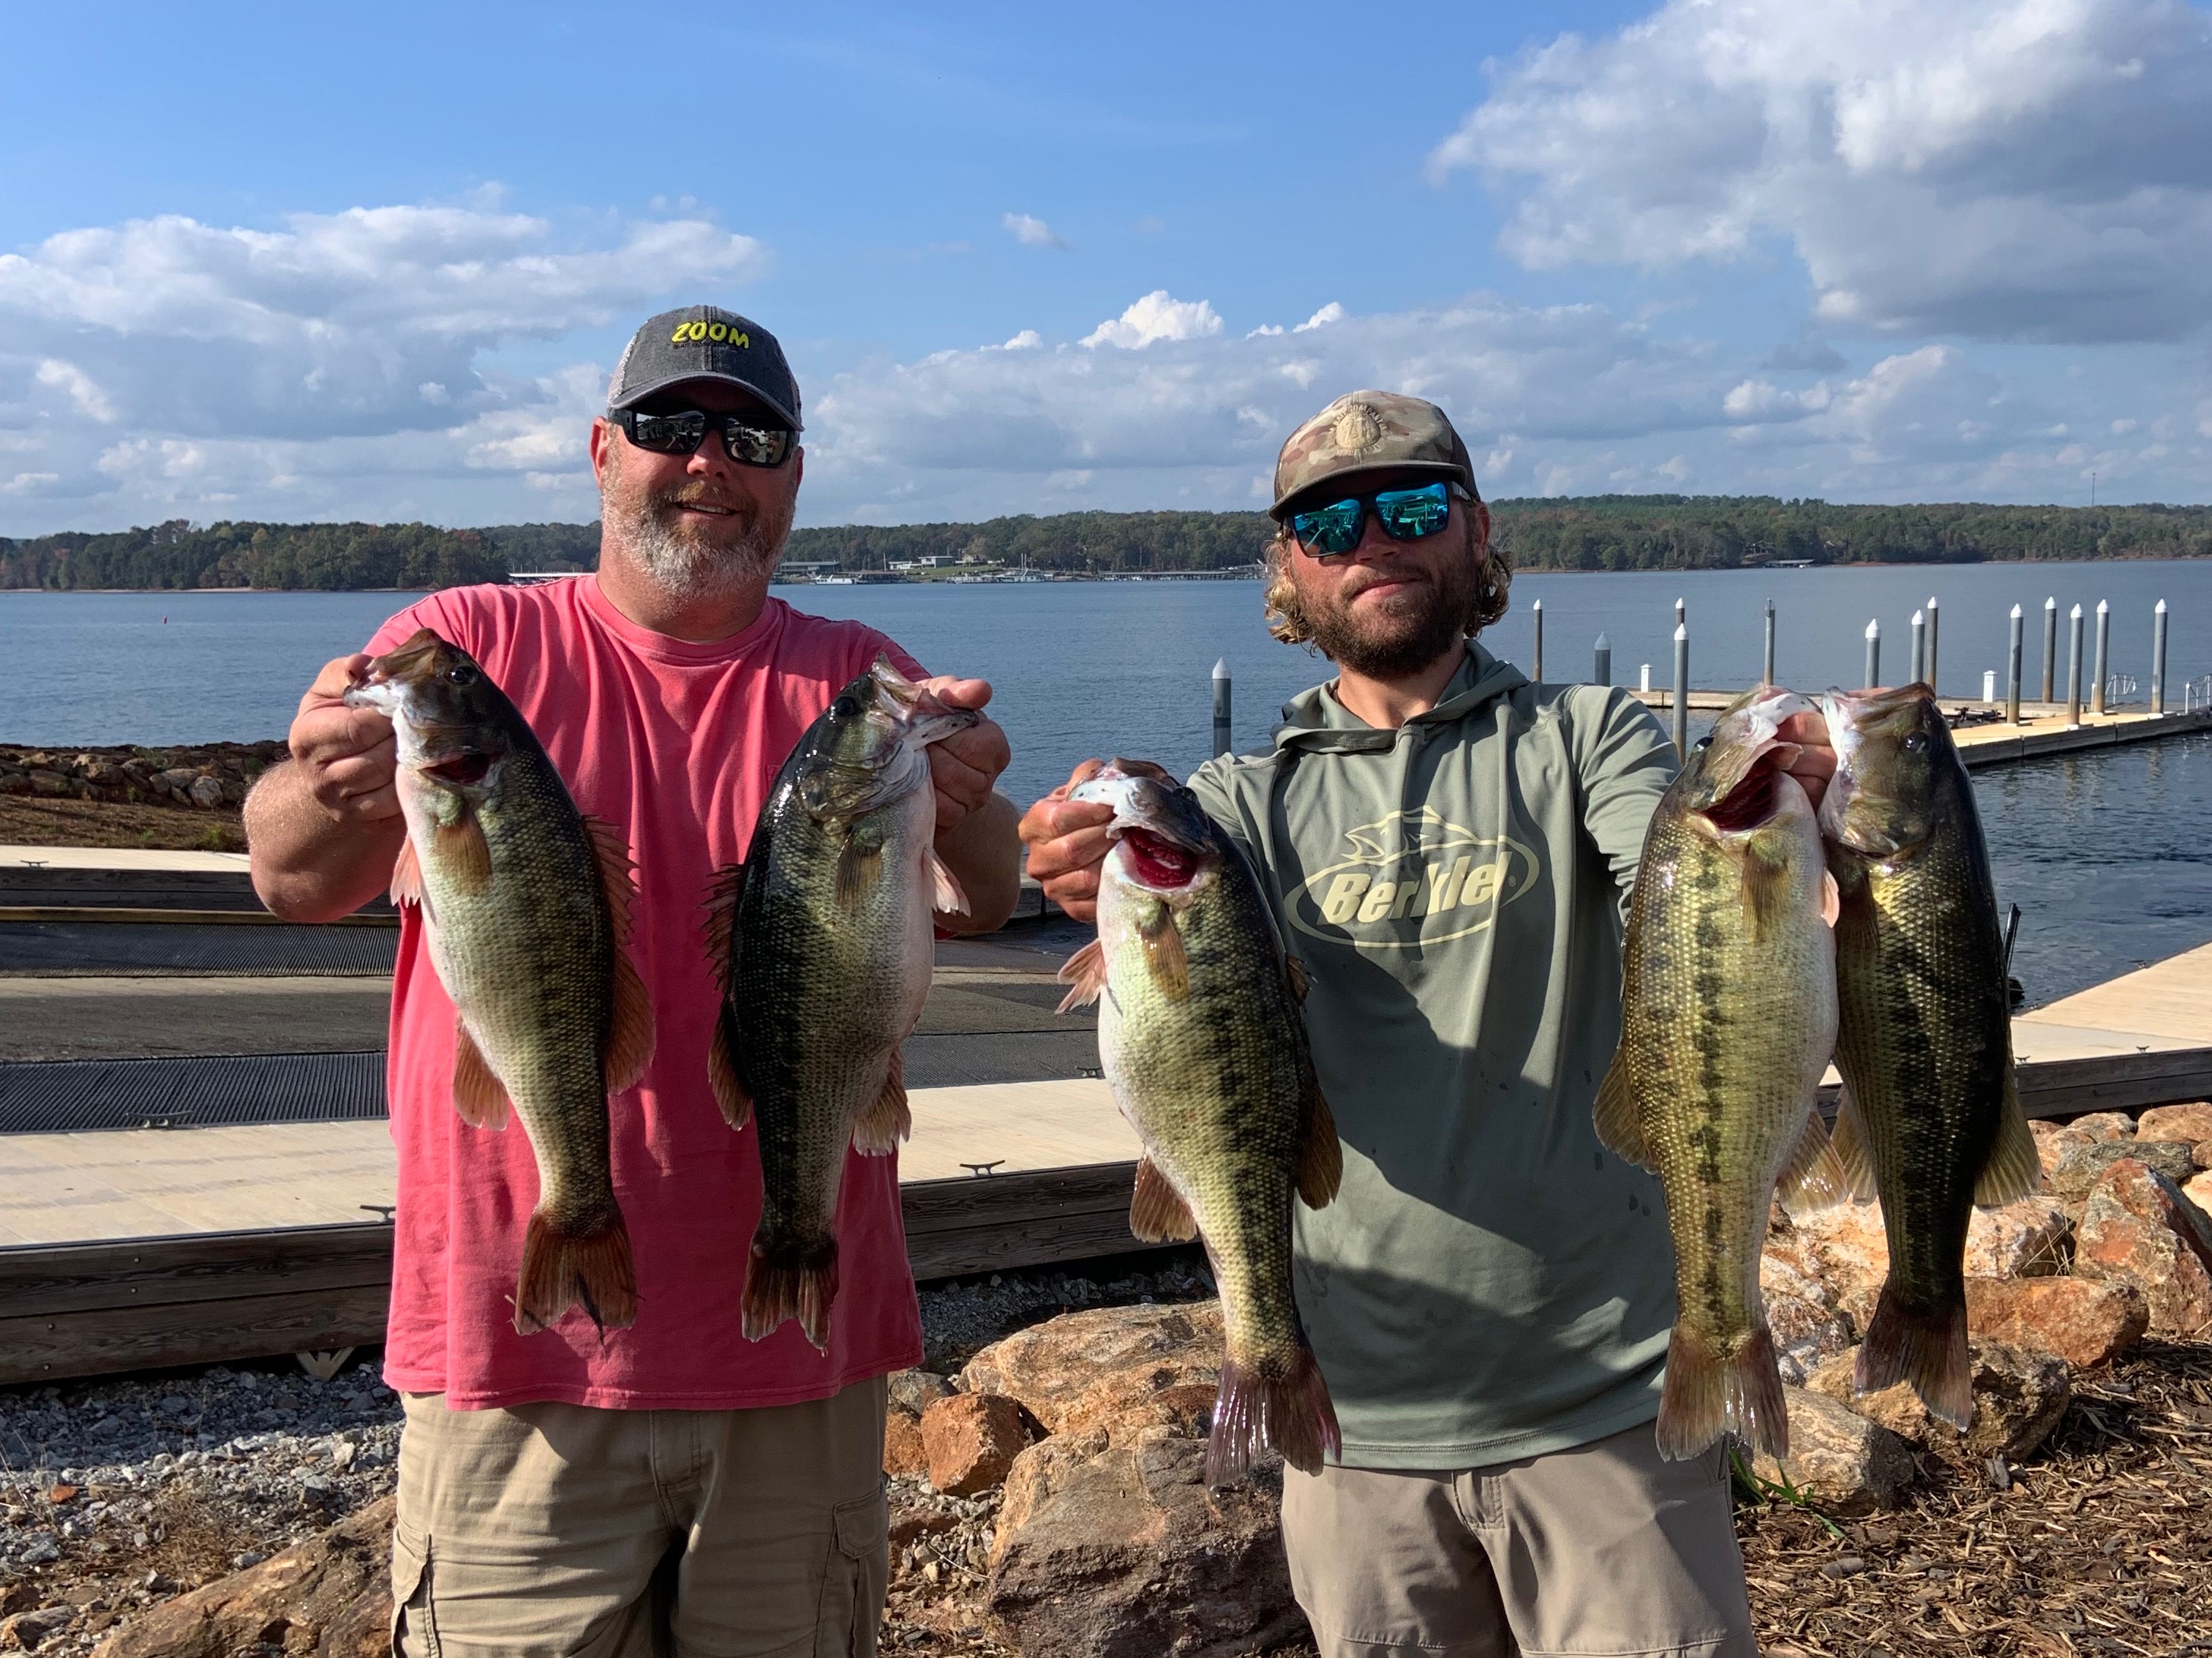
pixel 1411 879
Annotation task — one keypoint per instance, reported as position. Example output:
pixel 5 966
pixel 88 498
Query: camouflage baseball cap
pixel 1371 431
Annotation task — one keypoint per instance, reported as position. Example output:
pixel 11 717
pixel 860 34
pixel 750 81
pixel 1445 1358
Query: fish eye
pixel 1917 743
pixel 1705 742
pixel 846 708
pixel 463 674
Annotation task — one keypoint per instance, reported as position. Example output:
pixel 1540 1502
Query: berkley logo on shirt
pixel 1412 879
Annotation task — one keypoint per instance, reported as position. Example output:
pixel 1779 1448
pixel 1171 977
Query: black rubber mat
pixel 65 1095
pixel 65 948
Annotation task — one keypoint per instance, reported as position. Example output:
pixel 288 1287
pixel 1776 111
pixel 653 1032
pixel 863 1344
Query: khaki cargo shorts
pixel 1606 1549
pixel 561 1529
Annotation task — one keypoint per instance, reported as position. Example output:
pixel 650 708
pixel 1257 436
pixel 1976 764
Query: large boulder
pixel 971 1439
pixel 1838 1460
pixel 1072 1370
pixel 329 1597
pixel 2083 1167
pixel 1114 1547
pixel 2020 1395
pixel 2027 1239
pixel 2136 1225
pixel 1802 1314
pixel 2086 1322
pixel 2192 1122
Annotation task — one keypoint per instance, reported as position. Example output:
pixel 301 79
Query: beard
pixel 689 557
pixel 1401 634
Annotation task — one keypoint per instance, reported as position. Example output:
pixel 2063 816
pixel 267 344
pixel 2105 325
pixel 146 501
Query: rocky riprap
pixel 203 776
pixel 121 1494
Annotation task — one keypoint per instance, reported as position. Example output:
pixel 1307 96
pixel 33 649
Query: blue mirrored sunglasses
pixel 1332 531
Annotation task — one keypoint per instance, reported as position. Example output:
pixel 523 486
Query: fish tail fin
pixel 793 1278
pixel 587 1266
pixel 1709 1394
pixel 1927 1347
pixel 1279 1401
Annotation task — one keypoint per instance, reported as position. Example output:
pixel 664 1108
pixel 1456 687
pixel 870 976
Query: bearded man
pixel 1449 849
pixel 674 1486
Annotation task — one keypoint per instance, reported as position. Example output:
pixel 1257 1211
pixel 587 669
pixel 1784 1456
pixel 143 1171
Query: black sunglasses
pixel 743 440
pixel 1332 531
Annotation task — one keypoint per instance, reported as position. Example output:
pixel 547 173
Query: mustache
pixel 698 495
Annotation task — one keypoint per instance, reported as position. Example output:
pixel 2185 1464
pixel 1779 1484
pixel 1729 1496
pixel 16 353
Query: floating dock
pixel 2044 728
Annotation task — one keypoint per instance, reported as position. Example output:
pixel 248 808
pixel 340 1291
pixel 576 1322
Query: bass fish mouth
pixel 1753 801
pixel 1157 862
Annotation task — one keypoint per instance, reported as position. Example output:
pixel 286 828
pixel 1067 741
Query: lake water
pixel 2110 855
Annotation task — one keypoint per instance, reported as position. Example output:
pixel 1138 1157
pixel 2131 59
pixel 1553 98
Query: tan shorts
pixel 561 1529
pixel 1604 1549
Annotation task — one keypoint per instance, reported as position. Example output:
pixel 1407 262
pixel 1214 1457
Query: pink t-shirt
pixel 676 744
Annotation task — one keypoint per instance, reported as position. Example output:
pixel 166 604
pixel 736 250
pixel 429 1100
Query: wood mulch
pixel 2101 1544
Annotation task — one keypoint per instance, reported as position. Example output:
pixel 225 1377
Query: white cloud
pixel 1032 232
pixel 344 364
pixel 2023 169
pixel 1156 316
pixel 335 325
pixel 89 399
pixel 1330 312
pixel 1028 340
pixel 1554 399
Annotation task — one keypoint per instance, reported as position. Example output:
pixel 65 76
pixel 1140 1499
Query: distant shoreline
pixel 1183 577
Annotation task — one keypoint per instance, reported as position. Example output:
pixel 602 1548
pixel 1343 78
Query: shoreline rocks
pixel 194 776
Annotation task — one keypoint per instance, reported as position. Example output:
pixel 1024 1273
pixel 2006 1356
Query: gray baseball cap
pixel 704 342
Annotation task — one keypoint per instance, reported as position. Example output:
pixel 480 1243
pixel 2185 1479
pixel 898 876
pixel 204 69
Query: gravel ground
pixel 117 1494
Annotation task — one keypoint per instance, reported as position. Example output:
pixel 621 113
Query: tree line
pixel 1606 531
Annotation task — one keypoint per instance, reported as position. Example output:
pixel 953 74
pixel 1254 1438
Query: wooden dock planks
pixel 81 1309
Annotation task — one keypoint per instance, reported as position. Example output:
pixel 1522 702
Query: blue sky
pixel 256 262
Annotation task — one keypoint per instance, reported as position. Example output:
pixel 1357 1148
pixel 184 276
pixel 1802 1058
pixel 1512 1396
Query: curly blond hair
pixel 1288 623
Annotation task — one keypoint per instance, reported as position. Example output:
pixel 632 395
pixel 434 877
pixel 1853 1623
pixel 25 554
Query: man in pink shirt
pixel 674 1486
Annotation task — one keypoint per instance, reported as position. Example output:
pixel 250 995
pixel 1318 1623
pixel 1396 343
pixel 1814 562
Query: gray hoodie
pixel 1491 1282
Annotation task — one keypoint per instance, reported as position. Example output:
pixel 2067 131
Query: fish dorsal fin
pixel 1158 1213
pixel 1084 975
pixel 1295 971
pixel 1320 1159
pixel 860 863
pixel 630 1025
pixel 612 852
pixel 407 876
pixel 462 853
pixel 1832 897
pixel 723 1076
pixel 878 1131
pixel 1619 1122
pixel 1164 956
pixel 478 1095
pixel 2014 1169
pixel 725 893
pixel 1815 1177
pixel 1852 1148
pixel 947 896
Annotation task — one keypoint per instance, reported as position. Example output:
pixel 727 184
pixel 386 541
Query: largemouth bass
pixel 526 908
pixel 1202 1043
pixel 1727 1019
pixel 1930 1116
pixel 824 937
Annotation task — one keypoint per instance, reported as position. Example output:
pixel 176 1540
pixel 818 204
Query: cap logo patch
pixel 1357 429
pixel 718 332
